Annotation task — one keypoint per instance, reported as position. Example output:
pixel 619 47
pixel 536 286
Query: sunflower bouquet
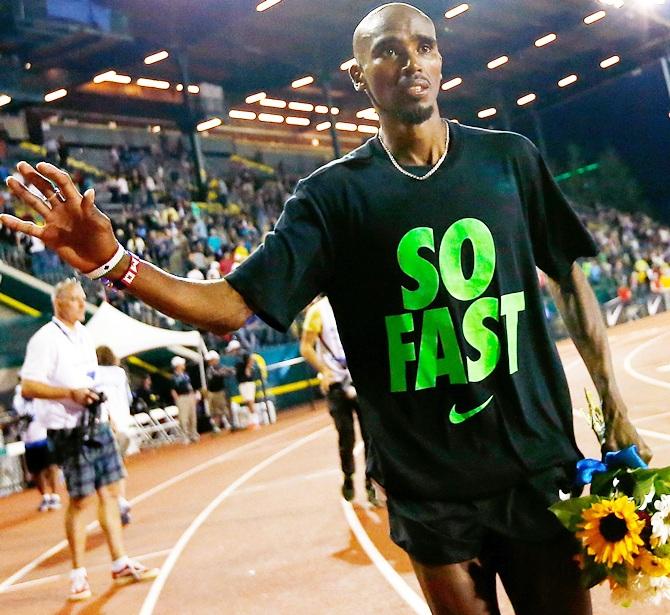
pixel 623 526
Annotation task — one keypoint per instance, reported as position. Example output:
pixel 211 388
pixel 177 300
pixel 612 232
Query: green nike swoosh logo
pixel 458 417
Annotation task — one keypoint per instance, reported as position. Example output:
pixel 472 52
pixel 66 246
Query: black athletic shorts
pixel 443 532
pixel 38 457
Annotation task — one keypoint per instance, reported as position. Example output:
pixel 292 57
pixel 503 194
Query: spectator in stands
pixel 39 458
pixel 184 398
pixel 63 152
pixel 246 379
pixel 112 380
pixel 58 374
pixel 51 148
pixel 219 406
pixel 144 397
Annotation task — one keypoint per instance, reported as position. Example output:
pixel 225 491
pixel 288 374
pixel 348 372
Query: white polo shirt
pixel 60 357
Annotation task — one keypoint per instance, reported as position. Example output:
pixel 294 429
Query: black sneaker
pixel 348 488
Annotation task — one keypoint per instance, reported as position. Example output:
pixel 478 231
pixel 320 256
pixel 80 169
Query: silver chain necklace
pixel 437 165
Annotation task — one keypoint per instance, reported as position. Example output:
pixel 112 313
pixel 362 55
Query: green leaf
pixel 619 573
pixel 569 512
pixel 602 482
pixel 662 551
pixel 593 574
pixel 642 489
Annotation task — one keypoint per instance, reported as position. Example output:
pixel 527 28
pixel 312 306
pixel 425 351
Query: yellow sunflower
pixel 610 531
pixel 652 565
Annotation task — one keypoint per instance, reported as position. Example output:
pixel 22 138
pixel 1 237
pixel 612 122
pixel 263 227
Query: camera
pixel 91 420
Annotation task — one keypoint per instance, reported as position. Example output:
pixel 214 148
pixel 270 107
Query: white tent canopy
pixel 126 336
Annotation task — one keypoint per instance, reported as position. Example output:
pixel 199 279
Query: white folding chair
pixel 154 433
pixel 168 424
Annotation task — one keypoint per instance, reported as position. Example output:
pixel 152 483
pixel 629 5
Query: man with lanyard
pixel 58 373
pixel 321 346
pixel 426 240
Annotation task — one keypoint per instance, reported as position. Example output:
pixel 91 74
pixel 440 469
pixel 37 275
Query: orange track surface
pixel 252 523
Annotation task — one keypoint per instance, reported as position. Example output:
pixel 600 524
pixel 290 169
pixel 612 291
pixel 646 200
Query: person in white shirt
pixel 112 380
pixel 321 346
pixel 39 459
pixel 58 374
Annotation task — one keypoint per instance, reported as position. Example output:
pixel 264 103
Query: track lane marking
pixel 43 580
pixel 158 584
pixel 30 566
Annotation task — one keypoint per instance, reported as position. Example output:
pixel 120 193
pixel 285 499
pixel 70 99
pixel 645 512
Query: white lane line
pixel 157 586
pixel 663 368
pixel 150 492
pixel 55 577
pixel 628 363
pixel 414 601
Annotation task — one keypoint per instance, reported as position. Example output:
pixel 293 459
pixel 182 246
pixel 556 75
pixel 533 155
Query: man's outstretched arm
pixel 83 237
pixel 581 313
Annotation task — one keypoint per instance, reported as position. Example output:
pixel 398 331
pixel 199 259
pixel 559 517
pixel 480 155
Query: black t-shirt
pixel 181 383
pixel 241 368
pixel 435 291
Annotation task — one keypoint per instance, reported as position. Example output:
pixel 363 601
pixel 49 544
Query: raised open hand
pixel 74 227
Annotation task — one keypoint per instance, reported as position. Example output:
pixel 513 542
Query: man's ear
pixel 356 75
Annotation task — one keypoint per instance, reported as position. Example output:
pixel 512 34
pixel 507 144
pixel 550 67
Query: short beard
pixel 414 116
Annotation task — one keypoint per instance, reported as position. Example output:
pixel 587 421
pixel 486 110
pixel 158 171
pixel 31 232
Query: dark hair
pixel 106 356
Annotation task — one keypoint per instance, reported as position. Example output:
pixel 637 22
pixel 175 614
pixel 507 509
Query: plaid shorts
pixel 87 468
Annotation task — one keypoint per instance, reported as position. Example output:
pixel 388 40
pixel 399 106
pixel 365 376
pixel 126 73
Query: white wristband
pixel 108 266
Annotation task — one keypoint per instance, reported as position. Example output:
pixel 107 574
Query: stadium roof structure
pixel 245 51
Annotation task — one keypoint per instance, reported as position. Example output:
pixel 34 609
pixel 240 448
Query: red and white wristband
pixel 101 271
pixel 128 276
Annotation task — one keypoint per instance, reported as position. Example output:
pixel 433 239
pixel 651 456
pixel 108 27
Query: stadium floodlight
pixel 348 64
pixel 321 109
pixel 593 17
pixel 323 126
pixel 497 62
pixel 208 124
pixel 5 100
pixel 545 40
pixel 300 106
pixel 607 62
pixel 255 98
pixel 266 4
pixel 55 95
pixel 315 142
pixel 487 112
pixel 273 102
pixel 368 114
pixel 156 57
pixel 103 76
pixel 298 83
pixel 242 115
pixel 111 76
pixel 153 83
pixel 372 130
pixel 452 83
pixel 524 100
pixel 194 89
pixel 155 129
pixel 28 65
pixel 334 110
pixel 346 126
pixel 457 10
pixel 271 117
pixel 569 80
pixel 297 121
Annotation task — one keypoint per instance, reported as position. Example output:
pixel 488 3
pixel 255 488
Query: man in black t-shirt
pixel 426 240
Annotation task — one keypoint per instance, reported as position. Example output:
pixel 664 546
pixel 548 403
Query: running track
pixel 252 523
